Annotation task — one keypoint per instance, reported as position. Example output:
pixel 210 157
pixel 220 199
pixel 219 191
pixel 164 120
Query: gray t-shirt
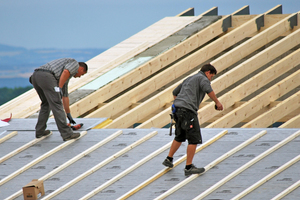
pixel 58 66
pixel 191 92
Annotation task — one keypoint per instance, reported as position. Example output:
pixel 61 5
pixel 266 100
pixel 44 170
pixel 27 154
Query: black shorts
pixel 187 126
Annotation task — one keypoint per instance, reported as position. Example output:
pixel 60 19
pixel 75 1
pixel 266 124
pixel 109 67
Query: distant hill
pixel 17 63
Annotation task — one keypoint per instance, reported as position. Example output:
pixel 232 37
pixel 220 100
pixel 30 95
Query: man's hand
pixel 219 106
pixel 70 118
pixel 213 97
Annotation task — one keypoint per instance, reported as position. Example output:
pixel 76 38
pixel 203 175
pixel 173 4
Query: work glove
pixel 70 118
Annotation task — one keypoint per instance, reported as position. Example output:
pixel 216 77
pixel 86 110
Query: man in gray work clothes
pixel 187 98
pixel 51 83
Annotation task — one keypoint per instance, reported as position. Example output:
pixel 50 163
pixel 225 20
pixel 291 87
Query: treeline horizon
pixel 7 94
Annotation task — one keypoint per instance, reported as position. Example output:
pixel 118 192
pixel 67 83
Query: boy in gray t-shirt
pixel 188 96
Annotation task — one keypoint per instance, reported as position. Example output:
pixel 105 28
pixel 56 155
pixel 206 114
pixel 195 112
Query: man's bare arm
pixel 213 96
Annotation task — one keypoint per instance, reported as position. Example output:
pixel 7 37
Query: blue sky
pixel 66 24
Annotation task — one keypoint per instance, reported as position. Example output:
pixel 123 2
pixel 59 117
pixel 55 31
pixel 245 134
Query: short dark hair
pixel 84 65
pixel 210 68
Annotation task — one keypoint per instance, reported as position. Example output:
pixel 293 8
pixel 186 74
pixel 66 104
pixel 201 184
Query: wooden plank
pixel 138 113
pixel 7 108
pixel 176 163
pixel 247 109
pixel 289 116
pixel 39 159
pixel 22 148
pixel 276 113
pixel 98 166
pixel 292 123
pixel 287 191
pixel 10 135
pixel 212 164
pixel 71 161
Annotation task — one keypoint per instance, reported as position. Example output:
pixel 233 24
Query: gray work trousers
pixel 44 83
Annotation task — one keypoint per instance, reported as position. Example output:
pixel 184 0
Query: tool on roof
pixel 173 108
pixel 75 127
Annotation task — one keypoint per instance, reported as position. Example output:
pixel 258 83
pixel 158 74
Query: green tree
pixel 7 94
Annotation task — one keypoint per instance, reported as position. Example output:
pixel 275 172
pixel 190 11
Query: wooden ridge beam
pixel 247 109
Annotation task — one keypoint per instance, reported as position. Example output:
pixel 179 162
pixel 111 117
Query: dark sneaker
pixel 73 136
pixel 168 163
pixel 46 132
pixel 193 170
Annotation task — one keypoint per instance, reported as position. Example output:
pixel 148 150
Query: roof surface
pixel 109 161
